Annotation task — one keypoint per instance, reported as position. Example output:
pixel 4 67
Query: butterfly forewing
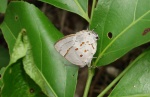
pixel 78 48
pixel 63 45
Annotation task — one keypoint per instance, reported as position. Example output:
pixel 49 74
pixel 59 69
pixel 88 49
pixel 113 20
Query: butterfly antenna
pixel 95 27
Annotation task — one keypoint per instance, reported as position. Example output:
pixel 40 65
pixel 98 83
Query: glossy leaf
pixel 79 7
pixel 3 6
pixel 122 26
pixel 17 83
pixel 14 80
pixel 19 51
pixel 55 75
pixel 135 83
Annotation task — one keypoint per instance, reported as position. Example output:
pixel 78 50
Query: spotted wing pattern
pixel 78 48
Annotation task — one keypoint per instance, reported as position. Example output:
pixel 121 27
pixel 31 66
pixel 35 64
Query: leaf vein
pixel 121 33
pixel 135 11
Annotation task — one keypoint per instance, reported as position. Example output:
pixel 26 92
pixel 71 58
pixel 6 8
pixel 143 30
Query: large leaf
pixel 79 7
pixel 18 84
pixel 136 82
pixel 57 76
pixel 122 26
pixel 14 80
pixel 3 6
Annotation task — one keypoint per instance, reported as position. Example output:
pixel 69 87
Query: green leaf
pixel 2 70
pixel 4 56
pixel 3 6
pixel 121 27
pixel 14 80
pixel 79 7
pixel 55 75
pixel 135 83
pixel 18 84
pixel 20 47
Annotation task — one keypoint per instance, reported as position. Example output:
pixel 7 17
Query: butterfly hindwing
pixel 78 48
pixel 64 44
pixel 85 46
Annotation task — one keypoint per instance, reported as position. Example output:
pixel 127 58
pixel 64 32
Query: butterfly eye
pixel 97 37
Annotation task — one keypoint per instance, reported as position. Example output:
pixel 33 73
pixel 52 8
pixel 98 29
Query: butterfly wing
pixel 78 48
pixel 65 47
pixel 74 58
pixel 64 44
pixel 86 46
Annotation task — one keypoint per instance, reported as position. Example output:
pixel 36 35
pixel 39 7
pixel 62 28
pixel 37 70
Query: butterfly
pixel 78 48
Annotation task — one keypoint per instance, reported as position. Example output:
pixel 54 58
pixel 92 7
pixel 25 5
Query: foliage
pixel 37 69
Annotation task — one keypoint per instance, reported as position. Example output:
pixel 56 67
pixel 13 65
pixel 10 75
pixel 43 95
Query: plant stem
pixel 93 6
pixel 91 72
pixel 117 79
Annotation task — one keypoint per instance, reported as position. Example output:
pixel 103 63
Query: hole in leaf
pixel 23 30
pixel 109 34
pixel 31 90
pixel 16 17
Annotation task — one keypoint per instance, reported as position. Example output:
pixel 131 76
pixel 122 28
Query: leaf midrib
pixel 41 54
pixel 85 15
pixel 133 23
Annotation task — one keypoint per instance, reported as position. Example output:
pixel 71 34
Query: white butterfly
pixel 78 48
